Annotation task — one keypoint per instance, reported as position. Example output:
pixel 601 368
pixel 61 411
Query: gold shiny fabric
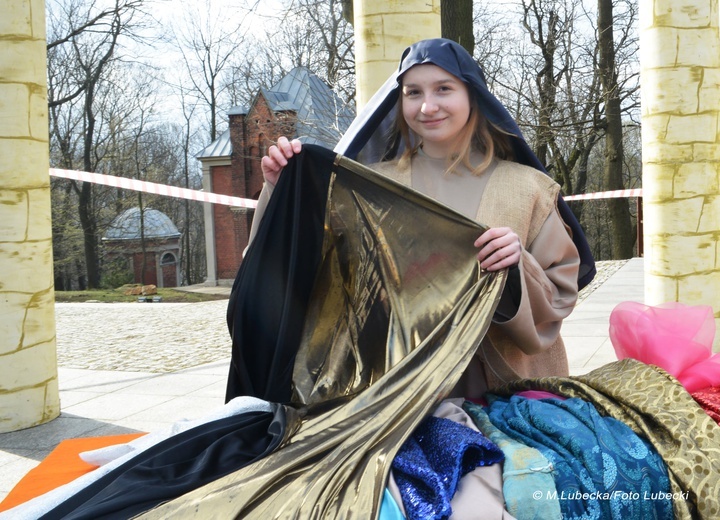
pixel 398 309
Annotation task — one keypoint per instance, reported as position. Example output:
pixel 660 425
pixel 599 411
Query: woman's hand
pixel 499 248
pixel 277 158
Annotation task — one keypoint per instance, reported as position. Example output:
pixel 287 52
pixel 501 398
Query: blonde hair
pixel 478 133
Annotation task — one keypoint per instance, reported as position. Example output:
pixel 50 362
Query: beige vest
pixel 522 198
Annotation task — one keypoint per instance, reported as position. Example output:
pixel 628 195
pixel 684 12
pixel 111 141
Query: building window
pixel 167 259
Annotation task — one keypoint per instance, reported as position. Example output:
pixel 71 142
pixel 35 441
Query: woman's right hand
pixel 277 158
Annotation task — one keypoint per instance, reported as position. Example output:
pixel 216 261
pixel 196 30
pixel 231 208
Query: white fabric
pixel 115 456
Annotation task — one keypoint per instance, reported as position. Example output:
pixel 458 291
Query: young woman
pixel 453 141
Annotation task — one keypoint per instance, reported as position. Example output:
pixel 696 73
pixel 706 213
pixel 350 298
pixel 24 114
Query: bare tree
pixel 208 46
pixel 69 22
pixel 308 33
pixel 623 236
pixel 549 76
pixel 492 37
pixel 325 21
pixel 187 136
pixel 67 237
pixel 83 42
pixel 539 73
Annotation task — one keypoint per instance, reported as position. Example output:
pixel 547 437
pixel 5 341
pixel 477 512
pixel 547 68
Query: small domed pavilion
pixel 124 239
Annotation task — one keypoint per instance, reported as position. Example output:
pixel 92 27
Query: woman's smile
pixel 432 122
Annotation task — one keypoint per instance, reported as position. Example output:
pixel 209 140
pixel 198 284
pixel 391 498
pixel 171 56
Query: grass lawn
pixel 117 295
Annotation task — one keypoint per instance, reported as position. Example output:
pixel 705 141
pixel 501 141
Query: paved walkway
pixel 141 367
pixel 141 337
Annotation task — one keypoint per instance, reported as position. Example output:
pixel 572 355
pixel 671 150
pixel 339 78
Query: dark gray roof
pixel 126 225
pixel 220 147
pixel 322 117
pixel 238 110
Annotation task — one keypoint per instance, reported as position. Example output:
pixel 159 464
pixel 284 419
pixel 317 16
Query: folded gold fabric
pixel 397 310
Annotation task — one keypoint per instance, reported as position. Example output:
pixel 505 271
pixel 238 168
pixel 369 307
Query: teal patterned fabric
pixel 528 485
pixel 603 469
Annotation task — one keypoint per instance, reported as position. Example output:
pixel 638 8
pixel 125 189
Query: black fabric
pixel 452 57
pixel 395 261
pixel 267 303
pixel 176 466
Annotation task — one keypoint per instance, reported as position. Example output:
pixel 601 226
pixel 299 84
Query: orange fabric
pixel 61 466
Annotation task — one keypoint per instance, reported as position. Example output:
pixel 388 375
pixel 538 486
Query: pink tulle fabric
pixel 673 336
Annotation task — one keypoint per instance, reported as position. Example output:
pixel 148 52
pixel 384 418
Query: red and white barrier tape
pixel 227 200
pixel 151 187
pixel 606 195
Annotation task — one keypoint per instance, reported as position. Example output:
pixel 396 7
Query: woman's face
pixel 436 106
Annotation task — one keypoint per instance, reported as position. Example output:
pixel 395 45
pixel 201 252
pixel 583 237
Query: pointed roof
pixel 322 117
pixel 220 147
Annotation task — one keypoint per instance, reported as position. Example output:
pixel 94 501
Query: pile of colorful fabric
pixel 615 443
pixel 349 330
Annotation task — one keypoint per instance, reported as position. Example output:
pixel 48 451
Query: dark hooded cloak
pixel 367 138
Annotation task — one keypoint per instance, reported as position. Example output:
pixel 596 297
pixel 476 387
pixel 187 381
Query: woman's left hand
pixel 499 248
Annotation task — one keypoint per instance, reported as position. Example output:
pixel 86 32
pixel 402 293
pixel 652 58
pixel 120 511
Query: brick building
pixel 299 105
pixel 126 238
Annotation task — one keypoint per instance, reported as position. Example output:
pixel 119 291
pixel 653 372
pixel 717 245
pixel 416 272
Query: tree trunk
pixel 186 263
pixel 547 88
pixel 456 21
pixel 348 11
pixel 85 201
pixel 619 209
pixel 143 249
pixel 582 176
pixel 87 222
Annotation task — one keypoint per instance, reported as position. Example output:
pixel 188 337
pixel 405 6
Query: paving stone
pixel 157 338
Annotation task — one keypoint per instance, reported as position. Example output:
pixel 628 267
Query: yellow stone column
pixel 383 29
pixel 28 364
pixel 680 78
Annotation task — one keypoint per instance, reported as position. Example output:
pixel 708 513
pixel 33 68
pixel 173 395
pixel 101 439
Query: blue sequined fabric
pixel 429 465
